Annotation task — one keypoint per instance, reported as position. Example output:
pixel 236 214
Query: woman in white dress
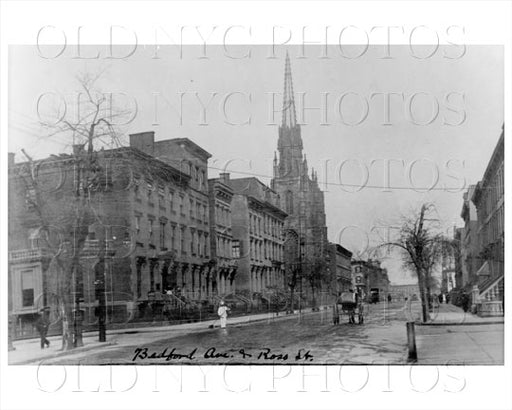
pixel 222 311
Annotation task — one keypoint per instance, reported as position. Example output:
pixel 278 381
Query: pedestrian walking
pixel 222 311
pixel 42 325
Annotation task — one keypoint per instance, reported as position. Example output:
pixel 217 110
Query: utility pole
pixel 99 282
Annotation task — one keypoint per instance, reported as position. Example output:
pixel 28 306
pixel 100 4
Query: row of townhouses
pixel 480 247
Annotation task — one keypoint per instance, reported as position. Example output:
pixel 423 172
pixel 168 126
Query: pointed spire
pixel 289 119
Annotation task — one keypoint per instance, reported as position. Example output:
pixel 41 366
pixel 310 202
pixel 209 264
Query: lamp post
pixel 100 289
pixel 77 316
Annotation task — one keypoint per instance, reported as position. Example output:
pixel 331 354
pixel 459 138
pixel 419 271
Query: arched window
pixel 289 202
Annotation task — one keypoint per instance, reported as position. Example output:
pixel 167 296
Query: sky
pixel 439 130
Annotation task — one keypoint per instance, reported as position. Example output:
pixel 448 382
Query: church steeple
pixel 290 142
pixel 289 118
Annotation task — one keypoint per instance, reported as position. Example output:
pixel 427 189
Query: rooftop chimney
pixel 143 141
pixel 224 177
pixel 11 159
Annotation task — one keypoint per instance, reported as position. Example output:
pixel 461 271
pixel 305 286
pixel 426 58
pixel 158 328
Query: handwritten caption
pixel 264 354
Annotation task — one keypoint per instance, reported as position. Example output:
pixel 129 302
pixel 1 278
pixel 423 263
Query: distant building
pixel 401 292
pixel 450 263
pixel 368 275
pixel 489 199
pixel 340 266
pixel 457 243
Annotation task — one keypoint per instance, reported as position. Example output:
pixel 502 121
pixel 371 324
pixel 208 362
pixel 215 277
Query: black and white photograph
pixel 195 203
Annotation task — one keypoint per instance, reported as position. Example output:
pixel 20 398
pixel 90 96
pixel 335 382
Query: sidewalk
pixel 455 337
pixel 448 314
pixel 29 351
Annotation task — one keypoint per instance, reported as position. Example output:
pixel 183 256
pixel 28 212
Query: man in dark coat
pixel 42 325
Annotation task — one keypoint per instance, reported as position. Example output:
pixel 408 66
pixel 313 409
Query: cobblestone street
pixel 310 339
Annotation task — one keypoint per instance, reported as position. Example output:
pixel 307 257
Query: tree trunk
pixel 313 296
pixel 423 297
pixel 67 337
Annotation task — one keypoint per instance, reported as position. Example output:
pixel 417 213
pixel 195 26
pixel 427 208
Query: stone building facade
pixel 176 219
pixel 469 240
pixel 340 265
pixel 224 252
pixel 151 230
pixel 489 199
pixel 258 223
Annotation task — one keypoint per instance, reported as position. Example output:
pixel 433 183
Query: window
pixel 191 208
pixel 181 205
pixel 173 237
pixel 162 234
pixel 182 240
pixel 171 203
pixel 150 229
pixel 27 288
pixel 236 249
pixel 161 196
pixel 201 179
pixel 186 167
pixel 137 223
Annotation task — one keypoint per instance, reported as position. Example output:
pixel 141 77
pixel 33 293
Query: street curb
pixel 62 354
pixel 460 323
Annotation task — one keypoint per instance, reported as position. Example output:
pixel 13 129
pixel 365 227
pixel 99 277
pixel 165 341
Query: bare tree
pixel 422 249
pixel 95 124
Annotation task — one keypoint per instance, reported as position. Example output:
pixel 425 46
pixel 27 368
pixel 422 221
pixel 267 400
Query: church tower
pixel 289 143
pixel 298 189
